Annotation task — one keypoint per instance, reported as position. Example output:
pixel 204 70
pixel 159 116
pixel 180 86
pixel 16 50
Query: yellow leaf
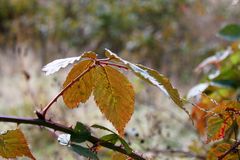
pixel 119 156
pixel 80 90
pixel 13 144
pixel 114 95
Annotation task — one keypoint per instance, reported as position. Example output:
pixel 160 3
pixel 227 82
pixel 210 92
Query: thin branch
pixel 232 149
pixel 62 128
pixel 180 152
pixel 42 114
pixel 113 64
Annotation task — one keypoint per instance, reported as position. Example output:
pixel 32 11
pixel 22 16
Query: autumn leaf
pixel 81 89
pixel 114 95
pixel 13 144
pixel 226 113
pixel 56 65
pixel 151 76
pixel 218 150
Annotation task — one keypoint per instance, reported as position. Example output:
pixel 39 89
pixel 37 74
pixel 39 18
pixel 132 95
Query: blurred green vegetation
pixel 172 36
pixel 156 32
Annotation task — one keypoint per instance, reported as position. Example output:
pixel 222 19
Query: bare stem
pixel 42 114
pixel 113 64
pixel 62 128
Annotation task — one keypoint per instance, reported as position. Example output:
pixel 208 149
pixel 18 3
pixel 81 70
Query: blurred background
pixel 171 36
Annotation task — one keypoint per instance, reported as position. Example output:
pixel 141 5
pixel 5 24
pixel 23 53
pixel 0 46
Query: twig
pixel 42 114
pixel 180 152
pixel 62 128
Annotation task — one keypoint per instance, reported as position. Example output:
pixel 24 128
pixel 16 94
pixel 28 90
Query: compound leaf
pixel 13 144
pixel 56 65
pixel 114 95
pixel 81 90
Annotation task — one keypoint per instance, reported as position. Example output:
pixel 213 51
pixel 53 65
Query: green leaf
pixel 84 151
pixel 81 133
pixel 102 127
pixel 230 32
pixel 125 145
pixel 123 142
pixel 112 138
pixel 151 76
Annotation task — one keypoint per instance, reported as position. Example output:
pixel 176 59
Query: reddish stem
pixel 113 64
pixel 42 114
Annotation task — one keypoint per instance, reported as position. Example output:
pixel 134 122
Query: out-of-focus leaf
pixel 13 144
pixel 64 139
pixel 81 133
pixel 112 138
pixel 151 76
pixel 226 113
pixel 230 32
pixel 219 149
pixel 80 91
pixel 56 65
pixel 84 151
pixel 119 156
pixel 214 60
pixel 197 90
pixel 114 95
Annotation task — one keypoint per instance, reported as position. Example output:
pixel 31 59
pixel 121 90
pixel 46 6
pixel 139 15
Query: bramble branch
pixel 62 128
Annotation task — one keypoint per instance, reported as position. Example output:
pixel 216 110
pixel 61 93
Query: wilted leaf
pixel 151 76
pixel 230 32
pixel 114 95
pixel 13 144
pixel 84 151
pixel 119 156
pixel 80 90
pixel 56 65
pixel 218 150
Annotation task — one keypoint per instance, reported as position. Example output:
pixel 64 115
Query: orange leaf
pixel 80 90
pixel 227 112
pixel 13 144
pixel 114 95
